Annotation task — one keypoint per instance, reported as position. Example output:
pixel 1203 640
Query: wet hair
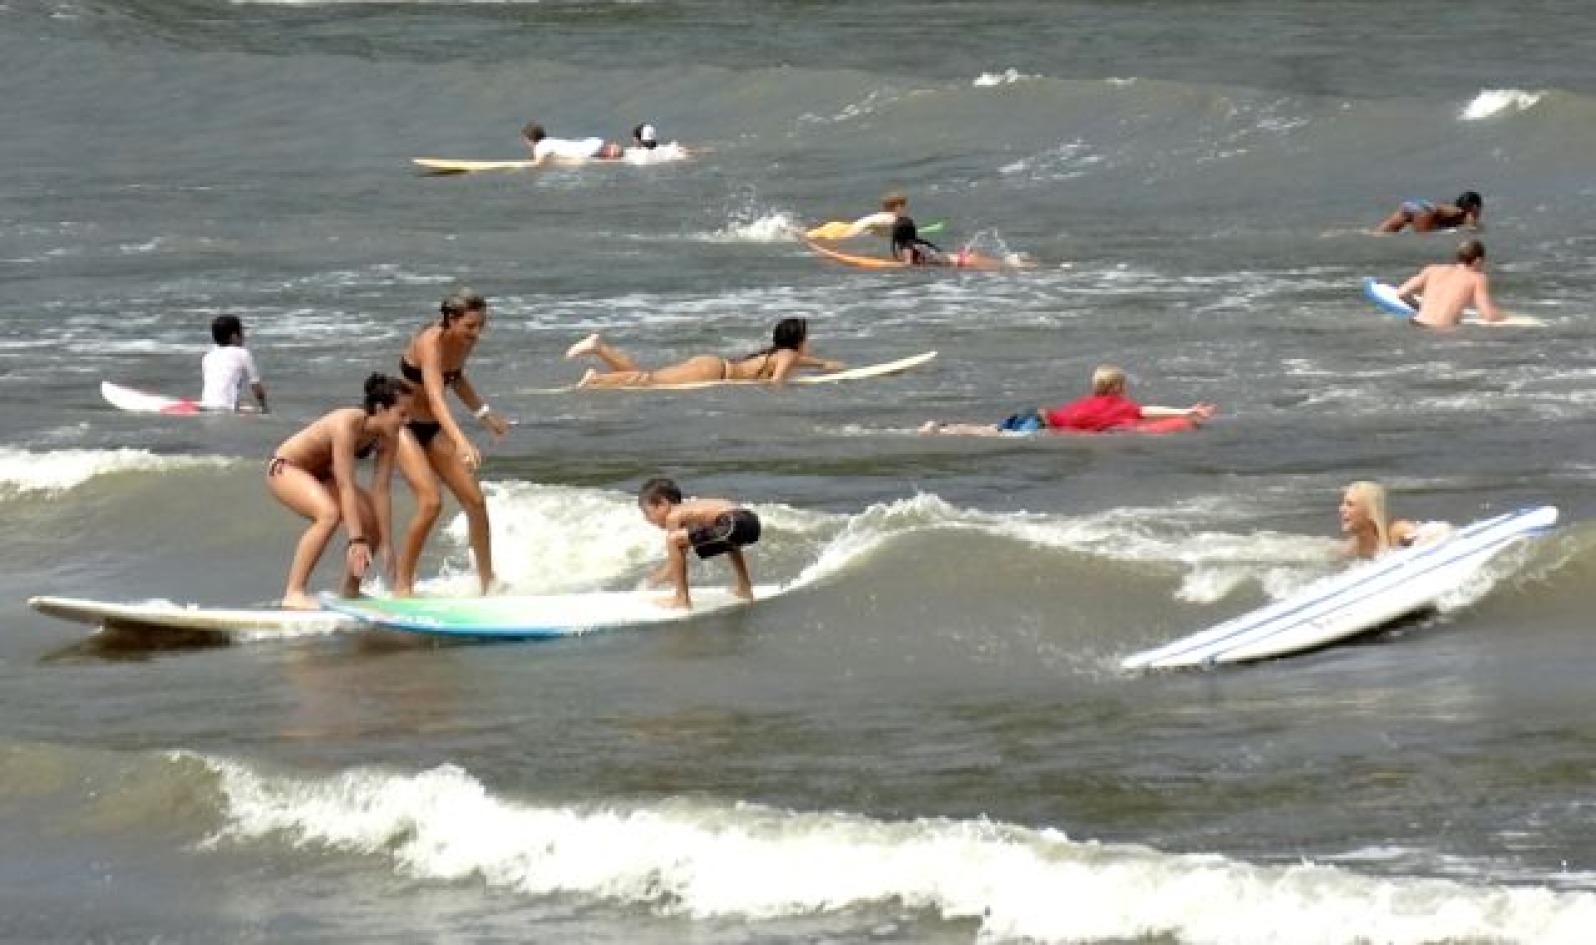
pixel 893 200
pixel 459 304
pixel 534 132
pixel 1470 251
pixel 789 334
pixel 1371 495
pixel 384 391
pixel 224 328
pixel 1470 200
pixel 659 489
pixel 1107 378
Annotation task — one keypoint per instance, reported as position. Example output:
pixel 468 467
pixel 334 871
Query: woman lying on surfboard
pixel 437 448
pixel 1108 408
pixel 313 473
pixel 788 351
pixel 1370 530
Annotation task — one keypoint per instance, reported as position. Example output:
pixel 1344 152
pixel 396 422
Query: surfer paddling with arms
pixel 788 351
pixel 313 473
pixel 1107 408
pixel 1371 532
pixel 547 150
pixel 1424 216
pixel 435 447
pixel 1449 288
pixel 710 527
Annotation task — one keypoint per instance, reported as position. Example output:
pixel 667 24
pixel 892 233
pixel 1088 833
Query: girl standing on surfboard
pixel 313 473
pixel 436 448
pixel 788 351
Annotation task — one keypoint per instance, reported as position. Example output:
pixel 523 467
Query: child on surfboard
pixel 1107 408
pixel 788 351
pixel 313 474
pixel 228 366
pixel 710 527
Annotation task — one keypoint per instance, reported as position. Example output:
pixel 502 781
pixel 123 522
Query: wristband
pixel 482 411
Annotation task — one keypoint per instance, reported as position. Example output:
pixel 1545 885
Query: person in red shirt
pixel 1106 409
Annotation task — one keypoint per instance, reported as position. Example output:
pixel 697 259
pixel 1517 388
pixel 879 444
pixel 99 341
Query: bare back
pixel 1447 291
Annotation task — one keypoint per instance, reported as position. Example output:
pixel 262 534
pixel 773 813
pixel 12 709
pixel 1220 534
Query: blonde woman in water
pixel 1369 528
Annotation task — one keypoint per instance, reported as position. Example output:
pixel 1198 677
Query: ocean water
pixel 927 739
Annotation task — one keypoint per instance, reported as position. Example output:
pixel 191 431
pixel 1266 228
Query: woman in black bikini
pixel 437 449
pixel 313 473
pixel 788 351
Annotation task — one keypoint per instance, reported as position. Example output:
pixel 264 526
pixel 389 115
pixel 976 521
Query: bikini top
pixel 413 374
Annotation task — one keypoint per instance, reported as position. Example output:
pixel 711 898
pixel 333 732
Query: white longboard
pixel 1386 298
pixel 883 369
pixel 138 401
pixel 534 618
pixel 164 615
pixel 1360 599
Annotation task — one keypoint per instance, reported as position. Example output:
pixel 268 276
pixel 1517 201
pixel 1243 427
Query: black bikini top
pixel 413 374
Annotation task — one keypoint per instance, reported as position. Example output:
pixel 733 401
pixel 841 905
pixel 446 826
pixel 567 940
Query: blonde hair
pixel 1107 378
pixel 1371 495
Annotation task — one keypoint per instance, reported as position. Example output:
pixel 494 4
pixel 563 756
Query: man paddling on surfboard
pixel 1450 288
pixel 1106 409
pixel 547 150
pixel 711 527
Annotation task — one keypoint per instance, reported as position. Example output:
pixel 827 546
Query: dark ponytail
pixel 788 335
pixel 383 391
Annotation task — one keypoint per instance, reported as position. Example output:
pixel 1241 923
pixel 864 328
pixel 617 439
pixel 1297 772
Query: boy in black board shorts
pixel 711 527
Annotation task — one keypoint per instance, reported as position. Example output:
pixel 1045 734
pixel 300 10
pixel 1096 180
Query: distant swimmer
pixel 1107 408
pixel 645 138
pixel 313 474
pixel 1424 216
pixel 1371 532
pixel 547 150
pixel 228 367
pixel 710 527
pixel 788 351
pixel 1449 288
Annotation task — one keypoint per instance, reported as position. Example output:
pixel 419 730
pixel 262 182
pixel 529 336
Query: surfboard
pixel 883 369
pixel 1385 297
pixel 847 229
pixel 962 261
pixel 138 401
pixel 189 618
pixel 1362 598
pixel 453 166
pixel 1157 426
pixel 639 156
pixel 534 618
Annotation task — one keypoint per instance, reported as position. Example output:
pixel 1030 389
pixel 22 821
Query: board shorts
pixel 735 529
pixel 1028 421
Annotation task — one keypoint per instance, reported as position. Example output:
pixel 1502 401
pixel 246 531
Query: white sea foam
pixel 769 227
pixel 1493 102
pixel 1006 77
pixel 706 860
pixel 61 470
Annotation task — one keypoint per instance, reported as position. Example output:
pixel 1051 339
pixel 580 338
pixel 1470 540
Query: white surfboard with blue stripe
pixel 1354 601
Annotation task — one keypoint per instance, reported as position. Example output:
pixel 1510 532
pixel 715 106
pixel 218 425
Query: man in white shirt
pixel 547 150
pixel 228 367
